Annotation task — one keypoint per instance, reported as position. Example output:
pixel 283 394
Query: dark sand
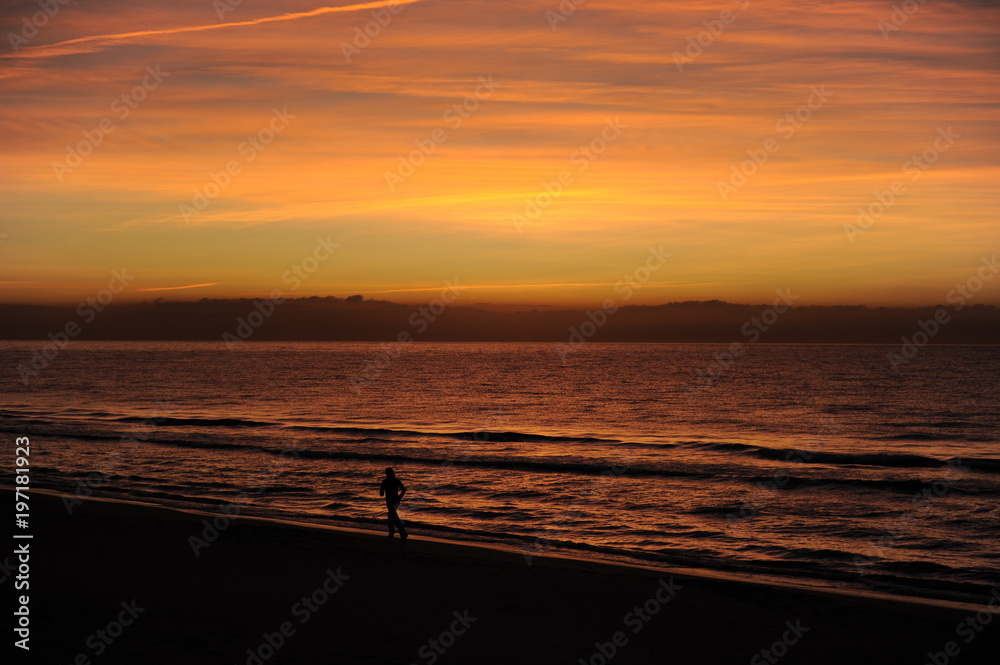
pixel 213 607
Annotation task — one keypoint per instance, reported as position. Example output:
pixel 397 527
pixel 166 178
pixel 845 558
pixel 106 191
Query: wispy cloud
pixel 177 288
pixel 96 42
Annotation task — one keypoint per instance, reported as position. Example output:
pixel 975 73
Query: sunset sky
pixel 666 130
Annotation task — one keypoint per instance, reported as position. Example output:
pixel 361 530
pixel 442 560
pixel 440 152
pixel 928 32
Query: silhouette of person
pixel 393 491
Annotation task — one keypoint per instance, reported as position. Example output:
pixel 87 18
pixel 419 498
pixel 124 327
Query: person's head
pixel 389 473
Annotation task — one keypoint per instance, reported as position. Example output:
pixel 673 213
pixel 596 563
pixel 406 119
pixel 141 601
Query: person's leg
pixel 392 520
pixel 399 525
pixel 395 521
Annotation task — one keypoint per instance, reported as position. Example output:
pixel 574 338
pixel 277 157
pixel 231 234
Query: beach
pixel 124 582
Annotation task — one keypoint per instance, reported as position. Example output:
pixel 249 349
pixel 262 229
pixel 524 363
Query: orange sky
pixel 673 129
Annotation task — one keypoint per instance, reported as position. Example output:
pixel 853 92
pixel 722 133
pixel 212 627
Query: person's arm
pixel 402 490
pixel 381 488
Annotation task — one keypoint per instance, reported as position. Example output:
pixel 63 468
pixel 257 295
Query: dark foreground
pixel 120 583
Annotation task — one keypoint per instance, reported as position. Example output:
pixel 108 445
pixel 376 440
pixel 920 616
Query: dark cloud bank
pixel 355 319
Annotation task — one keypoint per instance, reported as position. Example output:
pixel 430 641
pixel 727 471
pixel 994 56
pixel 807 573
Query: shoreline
pixel 386 601
pixel 515 544
pixel 818 586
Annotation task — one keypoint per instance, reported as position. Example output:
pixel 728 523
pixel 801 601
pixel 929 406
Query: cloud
pixel 96 42
pixel 177 288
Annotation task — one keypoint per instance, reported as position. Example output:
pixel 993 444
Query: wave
pixel 502 463
pixel 729 509
pixel 940 424
pixel 478 435
pixel 372 434
pixel 284 489
pixel 911 436
pixel 197 422
pixel 20 430
pixel 473 435
pixel 899 460
pixel 592 468
pixel 977 463
pixel 890 460
pixel 719 445
pixel 913 486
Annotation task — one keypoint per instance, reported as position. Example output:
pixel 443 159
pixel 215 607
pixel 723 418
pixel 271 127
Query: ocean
pixel 821 464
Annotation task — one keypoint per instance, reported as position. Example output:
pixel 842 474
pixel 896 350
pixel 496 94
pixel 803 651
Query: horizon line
pixel 581 305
